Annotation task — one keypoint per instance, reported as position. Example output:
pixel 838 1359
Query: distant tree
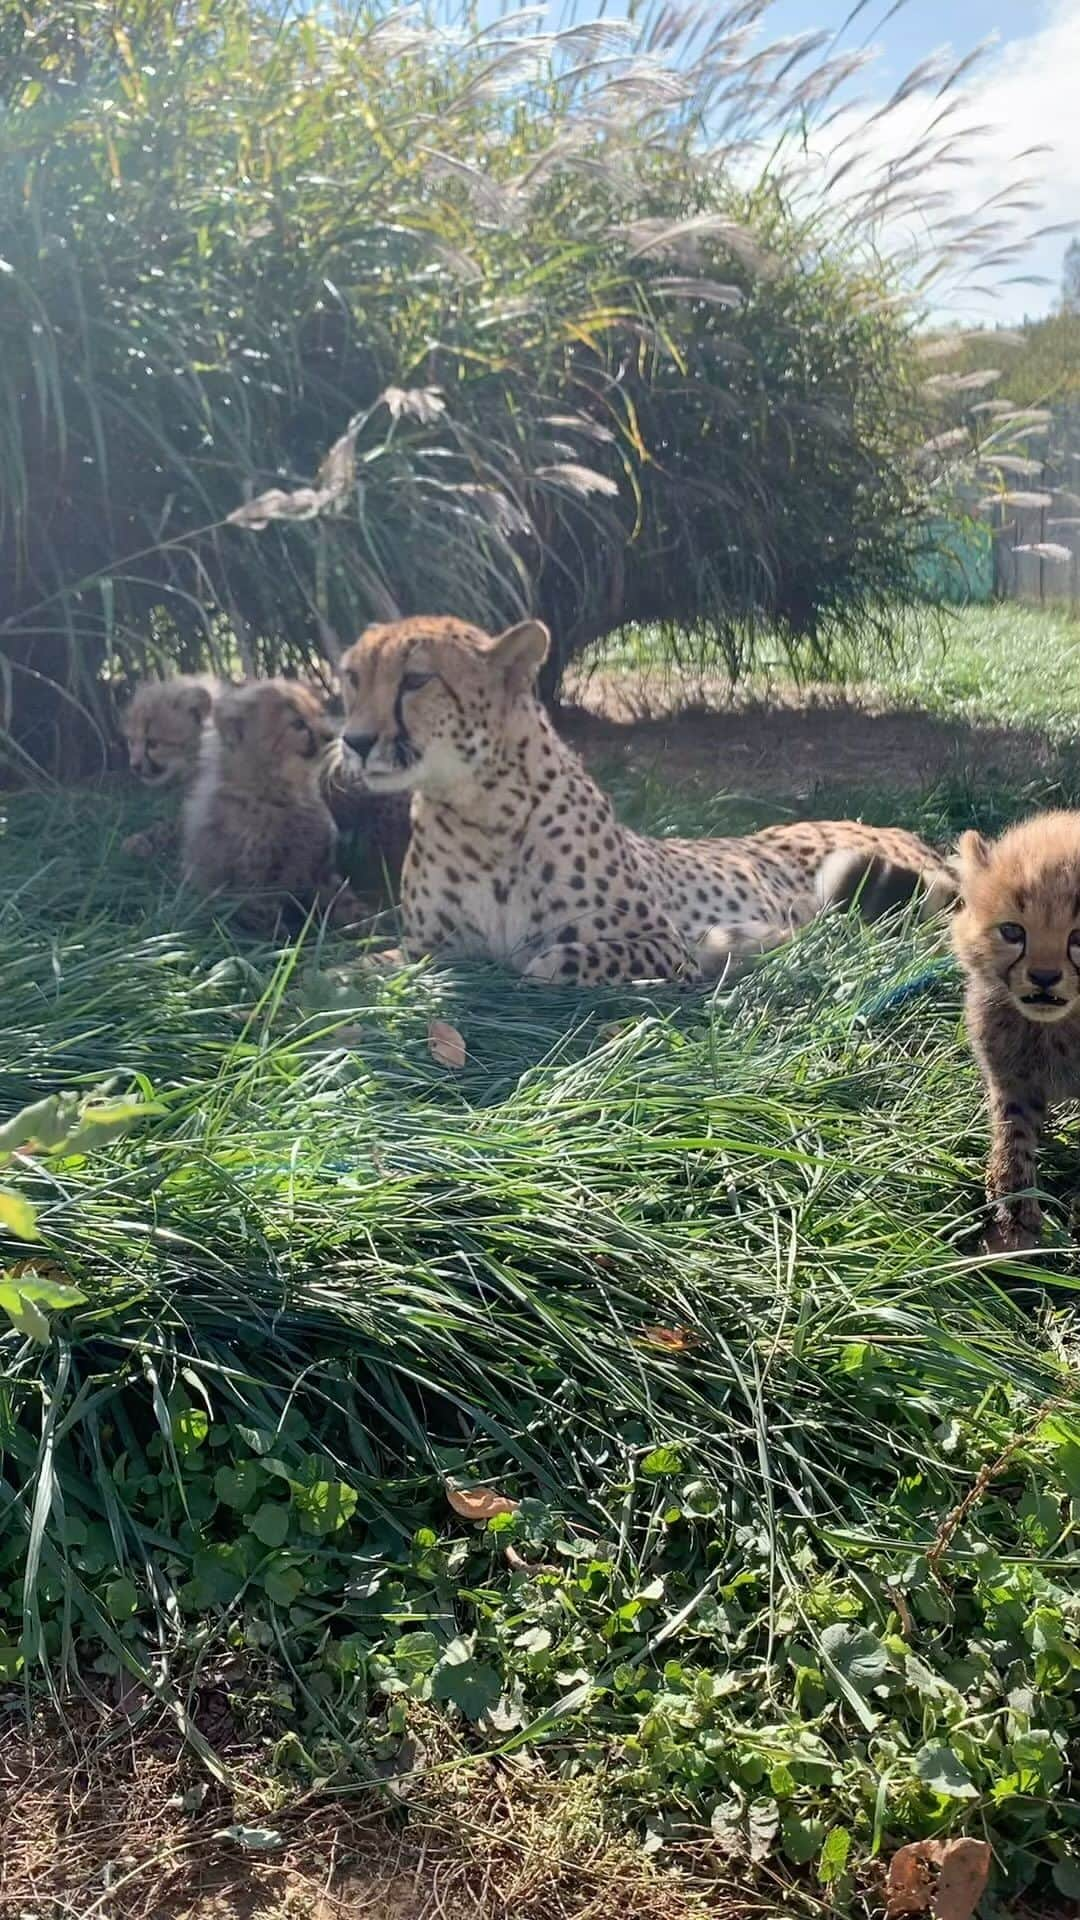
pixel 1070 278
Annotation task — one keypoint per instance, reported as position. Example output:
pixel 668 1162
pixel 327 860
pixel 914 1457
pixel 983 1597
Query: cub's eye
pixel 352 678
pixel 300 726
pixel 1014 934
pixel 412 682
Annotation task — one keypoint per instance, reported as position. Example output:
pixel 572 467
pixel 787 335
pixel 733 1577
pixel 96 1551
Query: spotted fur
pixel 1018 941
pixel 516 854
pixel 256 823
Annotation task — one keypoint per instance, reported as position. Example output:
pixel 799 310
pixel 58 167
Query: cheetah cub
pixel 1018 941
pixel 163 726
pixel 256 822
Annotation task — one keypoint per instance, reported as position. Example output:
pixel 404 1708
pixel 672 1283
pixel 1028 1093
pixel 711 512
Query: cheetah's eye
pixel 1014 934
pixel 412 682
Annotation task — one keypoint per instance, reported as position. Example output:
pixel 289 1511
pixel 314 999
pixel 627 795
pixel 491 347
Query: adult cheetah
pixel 516 854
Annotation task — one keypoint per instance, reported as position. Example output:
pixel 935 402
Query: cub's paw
pixel 348 909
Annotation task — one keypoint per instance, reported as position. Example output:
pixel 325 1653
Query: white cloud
pixel 1025 94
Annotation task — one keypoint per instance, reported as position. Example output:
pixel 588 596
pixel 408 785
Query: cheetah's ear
pixel 199 703
pixel 973 853
pixel 521 652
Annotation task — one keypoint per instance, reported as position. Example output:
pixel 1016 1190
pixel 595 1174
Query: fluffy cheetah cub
pixel 163 727
pixel 256 822
pixel 1018 941
pixel 516 855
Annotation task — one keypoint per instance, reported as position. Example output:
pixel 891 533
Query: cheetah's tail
pixel 848 877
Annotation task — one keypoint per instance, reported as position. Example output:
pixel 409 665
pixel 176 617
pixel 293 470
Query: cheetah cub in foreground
pixel 256 822
pixel 516 854
pixel 163 726
pixel 1018 941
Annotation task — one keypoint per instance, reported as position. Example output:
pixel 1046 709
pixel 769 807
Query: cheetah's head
pixel 1019 929
pixel 163 726
pixel 428 702
pixel 273 727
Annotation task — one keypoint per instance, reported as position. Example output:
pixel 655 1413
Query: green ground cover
pixel 692 1280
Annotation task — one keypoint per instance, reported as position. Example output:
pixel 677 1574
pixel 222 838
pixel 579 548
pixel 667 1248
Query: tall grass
pixel 692 1280
pixel 619 332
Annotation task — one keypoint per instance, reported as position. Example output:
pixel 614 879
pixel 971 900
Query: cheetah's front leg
pixel 651 953
pixel 1016 1121
pixel 723 949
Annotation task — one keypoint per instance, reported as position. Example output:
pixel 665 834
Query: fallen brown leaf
pixel 37 1270
pixel 480 1503
pixel 946 1878
pixel 671 1339
pixel 446 1044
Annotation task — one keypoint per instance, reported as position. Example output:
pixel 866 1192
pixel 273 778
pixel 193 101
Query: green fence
pixel 957 563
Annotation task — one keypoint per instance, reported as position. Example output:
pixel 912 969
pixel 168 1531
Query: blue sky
pixel 1027 90
pixel 916 29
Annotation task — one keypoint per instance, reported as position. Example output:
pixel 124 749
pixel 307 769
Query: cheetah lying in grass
pixel 517 856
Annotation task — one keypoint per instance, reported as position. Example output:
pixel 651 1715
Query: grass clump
pixel 785 1554
pixel 583 329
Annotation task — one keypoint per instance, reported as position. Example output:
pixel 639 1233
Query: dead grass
pixel 105 1827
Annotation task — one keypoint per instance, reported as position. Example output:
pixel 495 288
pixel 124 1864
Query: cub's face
pixel 1019 929
pixel 163 727
pixel 272 725
pixel 427 701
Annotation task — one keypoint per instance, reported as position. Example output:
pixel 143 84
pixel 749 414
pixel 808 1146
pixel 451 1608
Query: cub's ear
pixel 229 721
pixel 521 652
pixel 973 853
pixel 199 703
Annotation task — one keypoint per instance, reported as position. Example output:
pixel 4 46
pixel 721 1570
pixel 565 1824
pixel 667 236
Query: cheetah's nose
pixel 1045 977
pixel 360 743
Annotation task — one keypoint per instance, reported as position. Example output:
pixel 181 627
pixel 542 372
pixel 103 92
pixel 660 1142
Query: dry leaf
pixel 965 1870
pixel 579 479
pixel 671 1339
pixel 425 404
pixel 37 1269
pixel 303 503
pixel 946 1878
pixel 479 1503
pixel 446 1044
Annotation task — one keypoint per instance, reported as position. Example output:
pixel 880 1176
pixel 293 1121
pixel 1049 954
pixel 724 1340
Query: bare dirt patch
pixel 109 1829
pixel 795 744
